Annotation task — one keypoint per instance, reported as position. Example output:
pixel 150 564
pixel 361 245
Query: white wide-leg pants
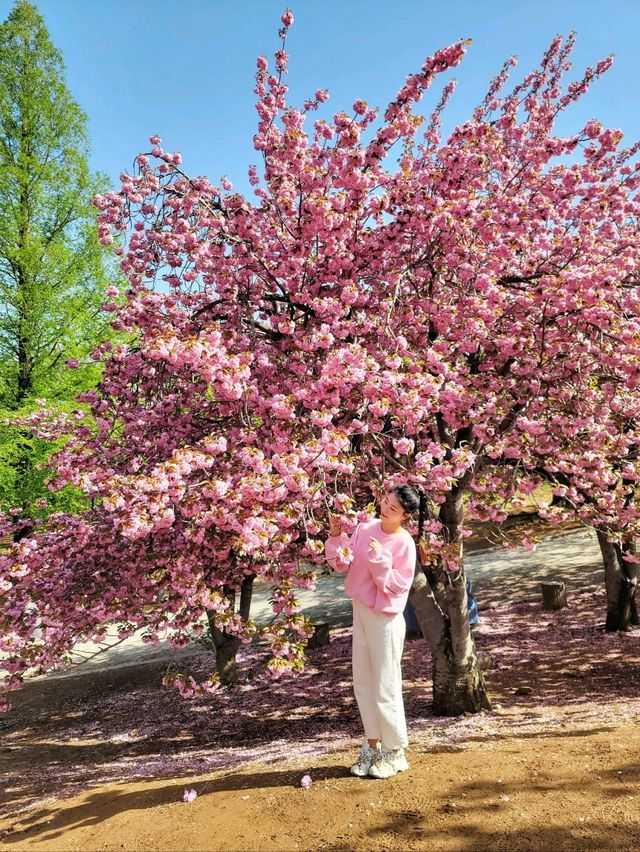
pixel 378 641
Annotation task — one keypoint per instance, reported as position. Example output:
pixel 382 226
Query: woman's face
pixel 391 510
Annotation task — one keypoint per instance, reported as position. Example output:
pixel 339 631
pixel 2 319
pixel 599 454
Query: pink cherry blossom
pixel 390 306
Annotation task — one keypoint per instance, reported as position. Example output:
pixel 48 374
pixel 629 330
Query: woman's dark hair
pixel 413 499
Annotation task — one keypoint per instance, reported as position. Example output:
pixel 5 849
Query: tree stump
pixel 554 595
pixel 320 635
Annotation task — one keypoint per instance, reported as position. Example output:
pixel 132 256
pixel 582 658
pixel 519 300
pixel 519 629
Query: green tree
pixel 53 270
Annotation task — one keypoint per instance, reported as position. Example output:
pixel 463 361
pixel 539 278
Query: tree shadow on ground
pixel 469 805
pixel 557 658
pixel 104 805
pixel 472 809
pixel 101 727
pixel 502 576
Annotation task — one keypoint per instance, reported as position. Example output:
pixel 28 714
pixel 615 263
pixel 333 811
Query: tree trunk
pixel 440 602
pixel 226 645
pixel 23 532
pixel 621 581
pixel 24 467
pixel 24 295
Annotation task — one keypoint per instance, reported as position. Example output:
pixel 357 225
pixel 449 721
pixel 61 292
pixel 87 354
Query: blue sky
pixel 184 68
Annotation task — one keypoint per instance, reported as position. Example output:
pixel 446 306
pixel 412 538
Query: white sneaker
pixel 388 763
pixel 365 758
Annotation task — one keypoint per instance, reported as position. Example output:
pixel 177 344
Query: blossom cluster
pixel 466 318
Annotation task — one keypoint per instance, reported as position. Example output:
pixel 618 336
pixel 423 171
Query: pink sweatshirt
pixel 380 574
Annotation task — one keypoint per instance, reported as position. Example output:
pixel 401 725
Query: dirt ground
pixel 101 761
pixel 575 791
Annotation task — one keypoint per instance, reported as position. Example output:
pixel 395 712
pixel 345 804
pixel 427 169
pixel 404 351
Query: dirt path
pixel 100 761
pixel 577 791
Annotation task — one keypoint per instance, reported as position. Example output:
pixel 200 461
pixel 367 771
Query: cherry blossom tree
pixel 595 476
pixel 390 307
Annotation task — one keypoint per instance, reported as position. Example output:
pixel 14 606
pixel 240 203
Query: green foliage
pixel 23 470
pixel 53 270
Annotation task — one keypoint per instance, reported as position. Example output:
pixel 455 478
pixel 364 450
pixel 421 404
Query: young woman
pixel 379 559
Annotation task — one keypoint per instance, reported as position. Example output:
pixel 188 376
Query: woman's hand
pixel 335 525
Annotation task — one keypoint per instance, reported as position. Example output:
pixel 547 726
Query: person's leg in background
pixel 413 629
